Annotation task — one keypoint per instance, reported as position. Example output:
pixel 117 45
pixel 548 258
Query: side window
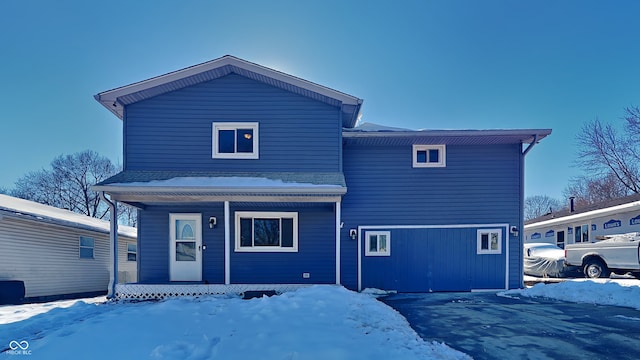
pixel 429 156
pixel 489 241
pixel 132 252
pixel 378 243
pixel 581 233
pixel 86 247
pixel 235 140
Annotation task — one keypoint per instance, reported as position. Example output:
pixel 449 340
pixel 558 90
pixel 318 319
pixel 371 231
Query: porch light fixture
pixel 353 234
pixel 212 222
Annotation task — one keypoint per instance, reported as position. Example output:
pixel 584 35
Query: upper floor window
pixel 429 156
pixel 235 140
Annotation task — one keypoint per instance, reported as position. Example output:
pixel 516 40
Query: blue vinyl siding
pixel 479 185
pixel 173 131
pixel 153 243
pixel 316 247
pixel 316 252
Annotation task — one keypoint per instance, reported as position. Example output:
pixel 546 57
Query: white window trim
pixel 266 215
pixel 93 248
pixel 443 156
pixel 480 250
pixel 368 252
pixel 234 126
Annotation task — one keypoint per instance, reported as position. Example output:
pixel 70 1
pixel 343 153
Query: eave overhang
pixel 584 216
pixel 448 137
pixel 116 99
pixel 200 187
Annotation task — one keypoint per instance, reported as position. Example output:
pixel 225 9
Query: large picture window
pixel 235 140
pixel 266 231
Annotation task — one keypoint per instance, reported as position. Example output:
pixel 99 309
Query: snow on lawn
pixel 617 292
pixel 318 322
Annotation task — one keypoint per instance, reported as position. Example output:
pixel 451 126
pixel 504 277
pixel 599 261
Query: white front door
pixel 185 247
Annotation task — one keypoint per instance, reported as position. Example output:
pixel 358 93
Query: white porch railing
pixel 163 291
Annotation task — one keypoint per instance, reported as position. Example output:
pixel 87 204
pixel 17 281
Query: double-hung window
pixel 132 252
pixel 489 241
pixel 86 247
pixel 266 231
pixel 235 140
pixel 429 156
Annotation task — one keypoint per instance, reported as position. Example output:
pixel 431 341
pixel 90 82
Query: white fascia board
pixel 110 96
pixel 297 190
pixel 585 215
pixel 526 134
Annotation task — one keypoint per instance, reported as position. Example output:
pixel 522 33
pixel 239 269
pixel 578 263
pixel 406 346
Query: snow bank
pixel 602 292
pixel 318 322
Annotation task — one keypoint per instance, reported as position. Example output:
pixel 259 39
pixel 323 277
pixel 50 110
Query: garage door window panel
pixel 489 241
pixel 378 243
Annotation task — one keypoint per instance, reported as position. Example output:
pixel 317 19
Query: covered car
pixel 544 260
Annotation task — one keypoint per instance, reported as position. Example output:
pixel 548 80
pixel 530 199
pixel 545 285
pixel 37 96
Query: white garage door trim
pixel 461 226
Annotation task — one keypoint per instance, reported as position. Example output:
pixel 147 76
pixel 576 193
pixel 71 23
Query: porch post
pixel 227 246
pixel 338 216
pixel 113 242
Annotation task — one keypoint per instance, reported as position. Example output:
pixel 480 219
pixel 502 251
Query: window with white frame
pixel 429 156
pixel 235 140
pixel 266 231
pixel 132 252
pixel 489 241
pixel 86 247
pixel 378 243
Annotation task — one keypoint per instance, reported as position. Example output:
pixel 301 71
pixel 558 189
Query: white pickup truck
pixel 617 253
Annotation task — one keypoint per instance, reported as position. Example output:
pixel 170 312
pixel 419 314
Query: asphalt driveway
pixel 487 326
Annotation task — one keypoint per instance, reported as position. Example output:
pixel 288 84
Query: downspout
pixel 113 239
pixel 521 218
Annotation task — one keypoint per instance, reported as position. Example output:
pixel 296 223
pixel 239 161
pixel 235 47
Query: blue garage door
pixel 430 259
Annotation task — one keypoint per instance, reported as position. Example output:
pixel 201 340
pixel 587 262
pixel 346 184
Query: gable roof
pixel 115 100
pixel 368 133
pixel 31 210
pixel 604 208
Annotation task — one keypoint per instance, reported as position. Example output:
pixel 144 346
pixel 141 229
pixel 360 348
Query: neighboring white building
pixel 59 253
pixel 585 224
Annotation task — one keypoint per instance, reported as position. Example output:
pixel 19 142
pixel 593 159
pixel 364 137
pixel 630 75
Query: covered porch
pixel 213 233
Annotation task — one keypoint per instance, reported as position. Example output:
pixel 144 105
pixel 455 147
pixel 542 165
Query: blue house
pixel 249 178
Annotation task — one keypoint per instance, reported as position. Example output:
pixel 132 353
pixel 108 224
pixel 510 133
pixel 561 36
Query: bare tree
pixel 4 190
pixel 67 185
pixel 591 190
pixel 605 151
pixel 538 205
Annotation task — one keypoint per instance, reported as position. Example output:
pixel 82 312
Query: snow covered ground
pixel 618 292
pixel 319 322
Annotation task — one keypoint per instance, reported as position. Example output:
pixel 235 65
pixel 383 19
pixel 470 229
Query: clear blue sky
pixel 417 64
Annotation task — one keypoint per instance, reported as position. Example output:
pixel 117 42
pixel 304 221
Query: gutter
pixel 113 239
pixel 223 190
pixel 632 206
